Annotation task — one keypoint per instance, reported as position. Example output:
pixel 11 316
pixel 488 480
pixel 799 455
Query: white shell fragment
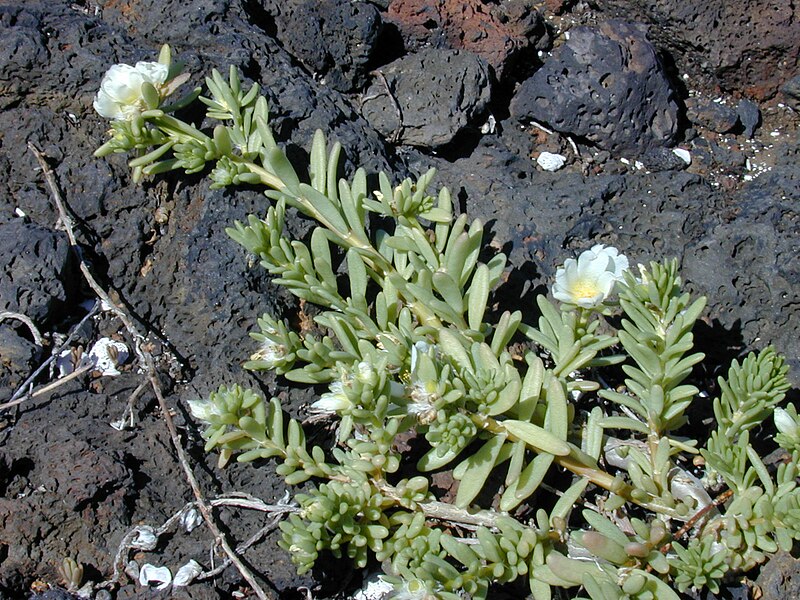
pixel 490 125
pixel 102 356
pixel 187 573
pixel 160 577
pixel 683 155
pixel 551 162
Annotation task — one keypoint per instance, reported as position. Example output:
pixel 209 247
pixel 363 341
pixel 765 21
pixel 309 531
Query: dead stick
pixel 53 355
pixel 718 501
pixel 49 387
pixel 202 505
pixel 37 337
pixel 147 361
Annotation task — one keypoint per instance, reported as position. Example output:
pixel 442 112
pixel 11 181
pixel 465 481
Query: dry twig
pixel 148 364
pixel 28 383
pixel 37 337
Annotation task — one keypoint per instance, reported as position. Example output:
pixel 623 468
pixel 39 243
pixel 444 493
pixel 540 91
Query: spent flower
pixel 203 410
pixel 588 281
pixel 332 401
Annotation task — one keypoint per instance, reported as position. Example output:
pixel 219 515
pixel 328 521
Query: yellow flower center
pixel 585 289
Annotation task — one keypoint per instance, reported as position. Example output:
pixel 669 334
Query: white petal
pixel 191 519
pixel 784 422
pixel 374 588
pixel 156 575
pixel 154 72
pixel 187 573
pixel 64 363
pixel 200 409
pixel 122 83
pixel 330 403
pixel 145 539
pixel 106 106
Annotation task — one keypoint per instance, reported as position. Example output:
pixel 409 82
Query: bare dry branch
pixel 147 362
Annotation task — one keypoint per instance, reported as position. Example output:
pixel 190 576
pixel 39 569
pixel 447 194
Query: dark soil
pixel 71 485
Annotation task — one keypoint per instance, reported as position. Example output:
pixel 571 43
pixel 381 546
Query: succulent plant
pixel 529 420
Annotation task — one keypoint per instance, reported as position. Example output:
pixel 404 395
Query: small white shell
pixel 160 576
pixel 551 162
pixel 187 573
pixel 683 155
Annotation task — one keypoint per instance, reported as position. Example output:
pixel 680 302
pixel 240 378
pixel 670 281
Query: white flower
pixel 332 401
pixel 415 589
pixel 366 374
pixel 588 281
pixel 785 423
pixel 120 94
pixel 375 588
pixel 106 354
pixel 424 395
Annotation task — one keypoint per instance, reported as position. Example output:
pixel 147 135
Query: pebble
pixel 749 117
pixel 550 161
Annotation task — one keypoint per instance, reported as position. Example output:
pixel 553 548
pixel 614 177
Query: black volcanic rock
pixel 36 271
pixel 334 39
pixel 426 99
pixel 605 85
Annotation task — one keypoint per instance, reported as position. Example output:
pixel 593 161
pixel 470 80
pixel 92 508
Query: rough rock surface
pixel 781 578
pixel 72 485
pixel 36 271
pixel 17 360
pixel 711 115
pixel 507 35
pixel 604 85
pixel 426 99
pixel 745 47
pixel 336 40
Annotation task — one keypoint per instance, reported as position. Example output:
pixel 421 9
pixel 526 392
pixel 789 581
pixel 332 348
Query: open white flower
pixel 588 281
pixel 120 94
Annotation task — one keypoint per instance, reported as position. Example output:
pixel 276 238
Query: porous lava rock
pixel 335 39
pixel 712 115
pixel 745 47
pixel 506 35
pixel 35 271
pixel 605 85
pixel 426 99
pixel 17 356
pixel 780 578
